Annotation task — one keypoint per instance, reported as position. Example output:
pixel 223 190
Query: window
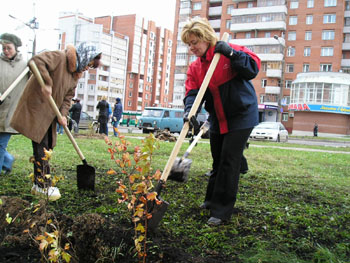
pixel 130 94
pixel 327 51
pixel 229 9
pixel 263 83
pixel 326 67
pixel 347 5
pixel 307 51
pixel 327 34
pixel 267 34
pixel 329 18
pixel 328 3
pixel 292 35
pixel 291 52
pixel 294 4
pixel 263 66
pixel 285 116
pixel 293 20
pixel 310 3
pixel 308 35
pixel 306 67
pixel 309 19
pixel 250 5
pixel 197 6
pixel 247 35
pixel 92 77
pixel 290 68
pixel 228 23
pixel 129 103
pixel 288 84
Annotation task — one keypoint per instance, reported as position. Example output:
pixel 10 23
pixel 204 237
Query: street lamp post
pixel 280 95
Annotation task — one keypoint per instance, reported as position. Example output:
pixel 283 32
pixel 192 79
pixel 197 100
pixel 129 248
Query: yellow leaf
pixel 66 246
pixel 43 245
pixel 41 237
pixel 140 228
pixel 111 172
pixel 26 231
pixel 66 257
pixel 151 196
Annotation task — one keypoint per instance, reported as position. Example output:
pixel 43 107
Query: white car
pixel 269 131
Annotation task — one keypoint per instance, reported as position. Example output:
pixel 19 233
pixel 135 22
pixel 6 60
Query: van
pixel 159 118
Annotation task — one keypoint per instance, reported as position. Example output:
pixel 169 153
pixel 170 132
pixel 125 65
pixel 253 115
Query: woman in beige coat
pixel 34 117
pixel 11 66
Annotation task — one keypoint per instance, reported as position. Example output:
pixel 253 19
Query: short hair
pixel 201 28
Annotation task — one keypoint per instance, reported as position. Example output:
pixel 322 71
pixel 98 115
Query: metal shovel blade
pixel 180 169
pixel 86 177
pixel 158 211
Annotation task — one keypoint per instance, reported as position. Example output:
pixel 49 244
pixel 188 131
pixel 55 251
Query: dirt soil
pixel 93 238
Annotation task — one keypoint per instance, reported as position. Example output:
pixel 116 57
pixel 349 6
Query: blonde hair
pixel 201 28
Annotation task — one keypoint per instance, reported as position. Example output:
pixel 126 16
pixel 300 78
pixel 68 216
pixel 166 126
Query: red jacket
pixel 231 100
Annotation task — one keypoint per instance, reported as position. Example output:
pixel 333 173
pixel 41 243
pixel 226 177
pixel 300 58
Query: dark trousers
pixel 103 128
pixel 42 167
pixel 227 151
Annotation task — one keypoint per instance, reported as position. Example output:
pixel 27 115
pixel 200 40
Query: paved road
pixel 338 144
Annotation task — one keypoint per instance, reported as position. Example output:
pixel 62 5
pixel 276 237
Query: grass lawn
pixel 293 206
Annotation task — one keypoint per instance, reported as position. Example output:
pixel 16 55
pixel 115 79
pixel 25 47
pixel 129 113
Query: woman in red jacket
pixel 233 110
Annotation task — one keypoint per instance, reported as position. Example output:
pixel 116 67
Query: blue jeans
pixel 59 128
pixel 6 159
pixel 115 125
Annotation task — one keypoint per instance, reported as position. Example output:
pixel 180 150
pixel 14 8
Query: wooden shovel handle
pixel 53 105
pixel 193 111
pixel 13 85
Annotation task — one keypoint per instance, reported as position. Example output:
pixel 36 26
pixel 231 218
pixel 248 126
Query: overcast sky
pixel 47 11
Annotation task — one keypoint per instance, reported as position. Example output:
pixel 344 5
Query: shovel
pixel 158 209
pixel 179 171
pixel 85 172
pixel 13 85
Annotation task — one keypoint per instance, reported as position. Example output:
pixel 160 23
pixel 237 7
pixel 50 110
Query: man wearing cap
pixel 11 66
pixel 34 117
pixel 117 115
pixel 75 111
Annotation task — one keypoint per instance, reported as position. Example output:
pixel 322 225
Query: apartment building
pixel 108 80
pixel 149 57
pixel 290 37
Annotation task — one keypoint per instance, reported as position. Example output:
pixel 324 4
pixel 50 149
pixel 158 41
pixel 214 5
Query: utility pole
pixel 32 24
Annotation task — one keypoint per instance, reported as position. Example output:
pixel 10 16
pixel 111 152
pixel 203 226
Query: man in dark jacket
pixel 75 111
pixel 117 114
pixel 103 108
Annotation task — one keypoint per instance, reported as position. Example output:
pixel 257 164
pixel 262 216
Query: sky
pixel 47 13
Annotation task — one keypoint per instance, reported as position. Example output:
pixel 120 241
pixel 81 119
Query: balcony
pixel 274 73
pixel 243 27
pixel 215 23
pixel 345 62
pixel 215 11
pixel 346 29
pixel 347 14
pixel 258 41
pixel 180 76
pixel 181 62
pixel 215 1
pixel 346 46
pixel 272 90
pixel 182 49
pixel 270 57
pixel 259 10
pixel 185 11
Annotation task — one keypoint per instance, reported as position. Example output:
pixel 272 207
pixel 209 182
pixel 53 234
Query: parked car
pixel 269 131
pixel 87 121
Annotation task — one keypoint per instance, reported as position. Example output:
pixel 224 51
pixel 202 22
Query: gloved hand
pixel 223 48
pixel 193 122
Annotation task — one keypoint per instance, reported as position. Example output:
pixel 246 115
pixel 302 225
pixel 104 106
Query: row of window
pixel 310 3
pixel 326 35
pixel 324 67
pixel 325 51
pixel 327 19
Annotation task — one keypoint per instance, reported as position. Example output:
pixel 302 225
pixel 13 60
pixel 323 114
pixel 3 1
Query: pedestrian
pixel 117 115
pixel 128 121
pixel 59 129
pixel 103 108
pixel 315 129
pixel 34 117
pixel 232 105
pixel 75 112
pixel 12 65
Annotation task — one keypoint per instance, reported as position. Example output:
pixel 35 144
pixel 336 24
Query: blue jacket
pixel 118 111
pixel 230 98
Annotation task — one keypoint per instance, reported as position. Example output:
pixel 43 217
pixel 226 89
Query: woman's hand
pixel 46 90
pixel 223 48
pixel 63 121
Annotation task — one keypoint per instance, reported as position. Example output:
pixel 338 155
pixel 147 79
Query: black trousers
pixel 227 151
pixel 42 167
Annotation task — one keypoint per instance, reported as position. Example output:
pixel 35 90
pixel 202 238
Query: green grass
pixel 292 206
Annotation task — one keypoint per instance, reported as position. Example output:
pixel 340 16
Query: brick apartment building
pixel 149 60
pixel 311 37
pixel 136 58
